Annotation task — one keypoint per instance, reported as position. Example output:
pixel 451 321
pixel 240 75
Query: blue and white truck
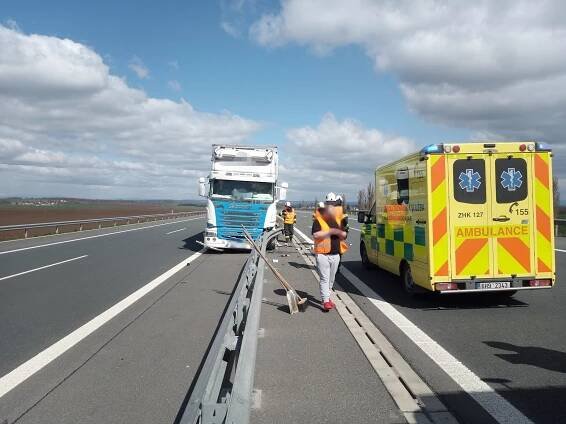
pixel 241 189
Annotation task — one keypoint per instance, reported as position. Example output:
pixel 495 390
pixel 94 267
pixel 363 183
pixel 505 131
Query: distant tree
pixel 361 199
pixel 366 197
pixel 344 203
pixel 370 195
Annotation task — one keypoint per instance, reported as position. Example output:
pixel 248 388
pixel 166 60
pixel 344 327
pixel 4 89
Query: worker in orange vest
pixel 289 220
pixel 329 232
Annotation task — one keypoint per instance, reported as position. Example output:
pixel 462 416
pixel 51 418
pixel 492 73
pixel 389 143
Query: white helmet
pixel 330 197
pixel 288 204
pixel 320 205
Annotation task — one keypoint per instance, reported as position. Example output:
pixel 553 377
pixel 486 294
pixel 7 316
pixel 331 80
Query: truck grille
pixel 230 216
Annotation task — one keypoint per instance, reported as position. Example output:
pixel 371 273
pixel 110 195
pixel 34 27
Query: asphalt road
pixel 136 367
pixel 517 346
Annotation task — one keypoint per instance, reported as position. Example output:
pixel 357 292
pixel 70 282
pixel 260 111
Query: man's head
pixel 330 199
pixel 288 205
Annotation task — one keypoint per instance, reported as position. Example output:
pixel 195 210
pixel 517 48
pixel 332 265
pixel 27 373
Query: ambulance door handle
pixel 502 219
pixel 420 222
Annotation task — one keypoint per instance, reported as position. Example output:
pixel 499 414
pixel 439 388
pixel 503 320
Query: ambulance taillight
pixel 446 286
pixel 540 283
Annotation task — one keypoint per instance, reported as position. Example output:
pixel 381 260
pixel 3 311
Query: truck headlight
pixel 210 233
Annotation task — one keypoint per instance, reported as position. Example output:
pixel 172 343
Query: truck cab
pixel 242 190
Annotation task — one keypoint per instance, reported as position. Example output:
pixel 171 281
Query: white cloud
pixel 68 126
pixel 231 29
pixel 174 85
pixel 485 65
pixel 337 155
pixel 139 68
pixel 234 15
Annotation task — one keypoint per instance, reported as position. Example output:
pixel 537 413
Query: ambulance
pixel 464 217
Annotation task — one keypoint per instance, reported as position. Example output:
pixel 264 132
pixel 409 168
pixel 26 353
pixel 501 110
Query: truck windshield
pixel 242 190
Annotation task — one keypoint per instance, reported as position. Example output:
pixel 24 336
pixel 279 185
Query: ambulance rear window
pixel 511 180
pixel 469 181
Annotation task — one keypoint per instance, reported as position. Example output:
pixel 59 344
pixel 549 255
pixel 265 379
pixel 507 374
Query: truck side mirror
pixel 202 187
pixel 282 191
pixel 362 217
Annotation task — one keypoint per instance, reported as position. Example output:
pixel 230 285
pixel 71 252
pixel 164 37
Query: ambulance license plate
pixel 493 285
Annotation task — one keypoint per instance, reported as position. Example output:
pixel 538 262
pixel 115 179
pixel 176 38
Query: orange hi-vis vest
pixel 324 245
pixel 289 217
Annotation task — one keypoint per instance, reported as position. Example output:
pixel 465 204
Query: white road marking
pixel 560 250
pixel 42 267
pixel 355 229
pixel 175 231
pixel 497 406
pixel 33 365
pixel 303 235
pixel 96 236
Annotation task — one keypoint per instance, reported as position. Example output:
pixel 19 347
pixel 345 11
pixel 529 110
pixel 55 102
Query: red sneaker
pixel 327 306
pixel 332 303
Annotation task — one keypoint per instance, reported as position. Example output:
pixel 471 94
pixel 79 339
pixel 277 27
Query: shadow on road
pixel 311 300
pixel 191 244
pixel 299 265
pixel 389 288
pixel 552 360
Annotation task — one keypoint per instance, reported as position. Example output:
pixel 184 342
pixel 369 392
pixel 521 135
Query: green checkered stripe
pixel 402 241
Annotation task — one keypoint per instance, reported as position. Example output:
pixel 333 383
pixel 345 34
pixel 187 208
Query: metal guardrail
pixel 223 389
pixel 558 223
pixel 82 222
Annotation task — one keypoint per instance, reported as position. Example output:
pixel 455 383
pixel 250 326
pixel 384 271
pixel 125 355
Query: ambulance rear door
pixel 470 216
pixel 512 214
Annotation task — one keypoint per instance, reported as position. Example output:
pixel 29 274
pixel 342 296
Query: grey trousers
pixel 327 265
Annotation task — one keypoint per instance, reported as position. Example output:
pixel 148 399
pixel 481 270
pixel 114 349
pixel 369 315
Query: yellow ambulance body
pixel 464 217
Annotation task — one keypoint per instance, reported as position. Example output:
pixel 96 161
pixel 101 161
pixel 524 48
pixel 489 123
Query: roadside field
pixel 29 214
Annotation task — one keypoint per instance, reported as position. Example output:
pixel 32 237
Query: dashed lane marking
pixel 175 231
pixel 42 267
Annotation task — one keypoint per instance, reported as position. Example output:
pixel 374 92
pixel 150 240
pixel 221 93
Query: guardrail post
pixel 26 233
pixel 81 227
pixel 57 229
pixel 100 225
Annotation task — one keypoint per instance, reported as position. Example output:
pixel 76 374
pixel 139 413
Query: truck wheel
pixel 365 258
pixel 271 244
pixel 407 279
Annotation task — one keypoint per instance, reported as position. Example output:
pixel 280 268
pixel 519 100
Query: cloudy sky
pixel 123 99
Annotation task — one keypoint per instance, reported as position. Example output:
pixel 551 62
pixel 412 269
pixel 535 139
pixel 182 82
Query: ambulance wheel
pixel 271 244
pixel 365 258
pixel 407 279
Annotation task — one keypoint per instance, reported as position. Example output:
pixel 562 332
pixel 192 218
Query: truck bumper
pixel 217 243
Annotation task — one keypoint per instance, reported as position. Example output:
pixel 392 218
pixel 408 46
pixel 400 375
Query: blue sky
pixel 283 87
pixel 283 77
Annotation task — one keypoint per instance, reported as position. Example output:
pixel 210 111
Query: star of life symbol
pixel 470 180
pixel 511 179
